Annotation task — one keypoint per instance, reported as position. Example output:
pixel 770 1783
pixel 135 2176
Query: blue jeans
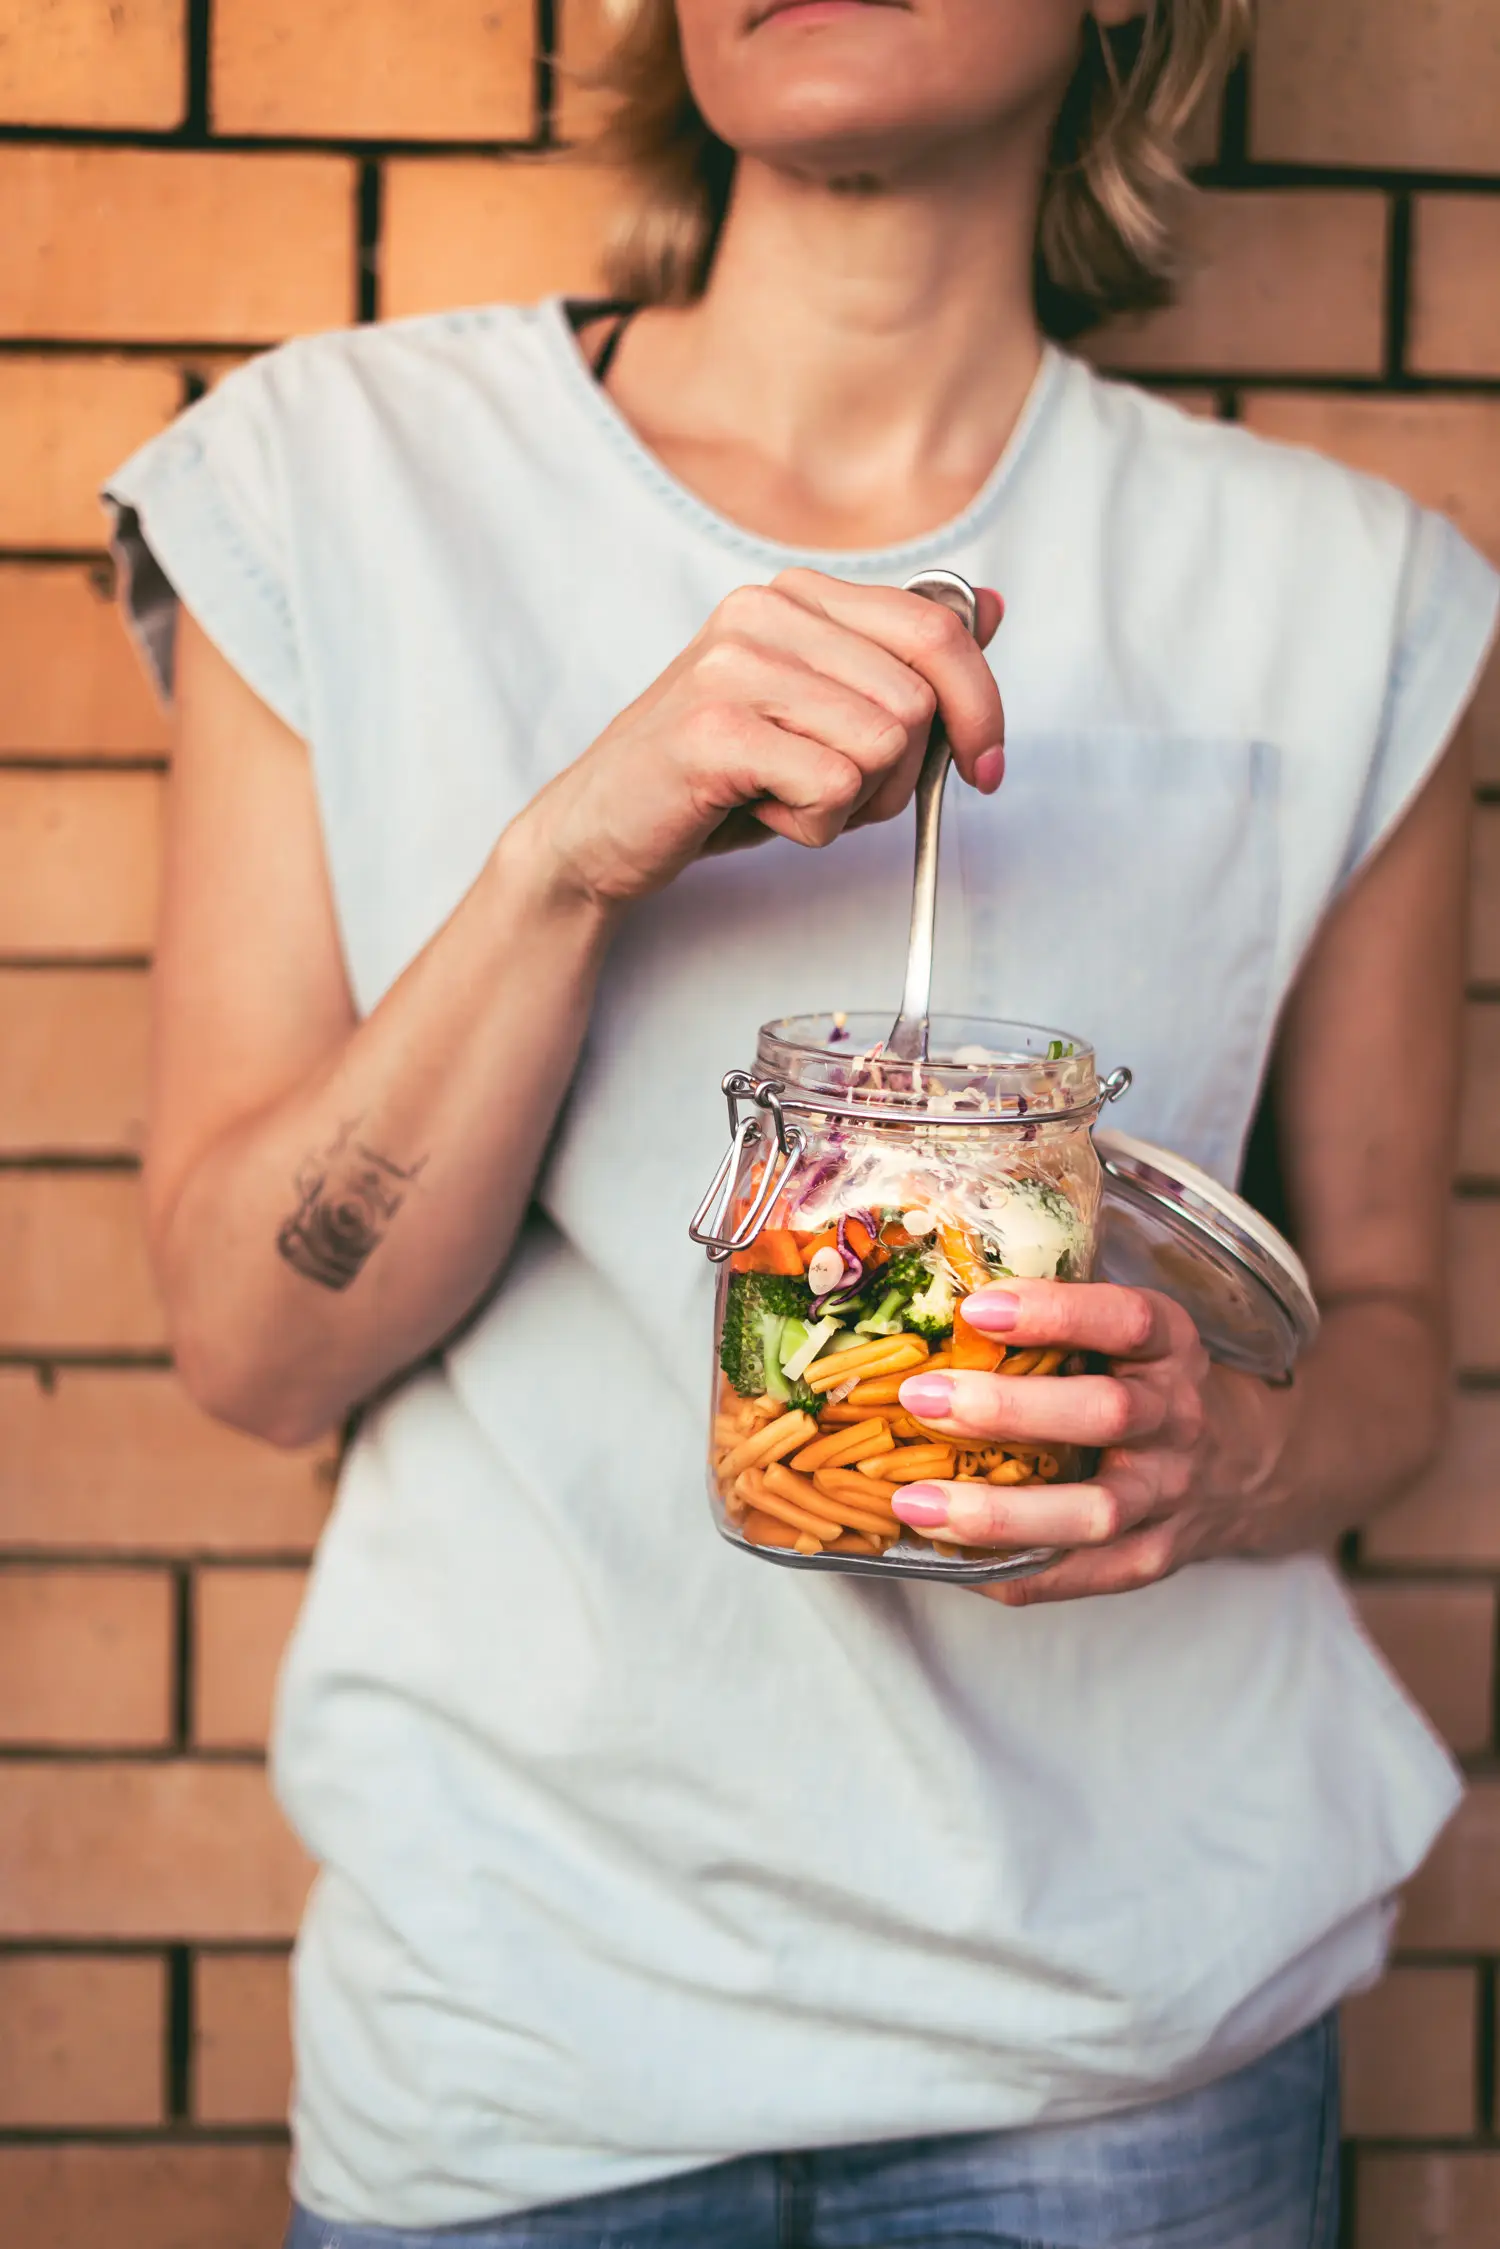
pixel 1249 2163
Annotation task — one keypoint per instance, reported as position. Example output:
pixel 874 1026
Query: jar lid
pixel 1167 1225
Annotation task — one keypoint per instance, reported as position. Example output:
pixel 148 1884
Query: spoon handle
pixel 910 1033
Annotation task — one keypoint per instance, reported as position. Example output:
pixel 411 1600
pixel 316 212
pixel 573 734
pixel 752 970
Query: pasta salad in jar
pixel 860 1202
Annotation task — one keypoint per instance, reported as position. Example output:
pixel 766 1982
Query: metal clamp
pixel 746 1132
pixel 764 1096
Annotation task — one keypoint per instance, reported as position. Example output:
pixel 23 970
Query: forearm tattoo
pixel 348 1197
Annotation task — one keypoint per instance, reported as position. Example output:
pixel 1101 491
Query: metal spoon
pixel 912 1029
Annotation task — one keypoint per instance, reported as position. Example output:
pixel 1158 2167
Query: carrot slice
pixel 810 1244
pixel 973 1351
pixel 866 1247
pixel 774 1251
pixel 962 1253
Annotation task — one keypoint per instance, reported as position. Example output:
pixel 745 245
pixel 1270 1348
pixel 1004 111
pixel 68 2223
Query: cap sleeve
pixel 1445 628
pixel 196 519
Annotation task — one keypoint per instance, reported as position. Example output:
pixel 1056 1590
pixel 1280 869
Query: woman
pixel 663 1897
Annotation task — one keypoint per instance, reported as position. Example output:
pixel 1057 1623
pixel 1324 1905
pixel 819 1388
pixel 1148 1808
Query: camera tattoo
pixel 348 1198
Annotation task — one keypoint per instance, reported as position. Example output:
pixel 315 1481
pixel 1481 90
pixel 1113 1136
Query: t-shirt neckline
pixel 906 556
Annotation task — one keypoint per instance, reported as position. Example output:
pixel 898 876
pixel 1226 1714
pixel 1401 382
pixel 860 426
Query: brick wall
pixel 183 182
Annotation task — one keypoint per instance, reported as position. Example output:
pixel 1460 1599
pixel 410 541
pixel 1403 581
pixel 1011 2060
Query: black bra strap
pixel 604 357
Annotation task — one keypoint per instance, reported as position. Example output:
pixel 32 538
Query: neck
pixel 863 333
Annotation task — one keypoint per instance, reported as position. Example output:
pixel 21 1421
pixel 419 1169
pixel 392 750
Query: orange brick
pixel 241 1622
pixel 118 1461
pixel 579 108
pixel 1278 282
pixel 1453 1905
pixel 1440 1642
pixel 64 425
pixel 476 231
pixel 1484 917
pixel 1377 82
pixel 85 1657
pixel 1444 451
pixel 135 245
pixel 1453 1516
pixel 84 2041
pixel 80 860
pixel 1455 308
pixel 73 685
pixel 73 1270
pixel 172 2196
pixel 1476 1285
pixel 93 62
pixel 375 69
pixel 1479 1148
pixel 1409 2055
pixel 74 1042
pixel 179 1850
pixel 242 2054
pixel 1427 2201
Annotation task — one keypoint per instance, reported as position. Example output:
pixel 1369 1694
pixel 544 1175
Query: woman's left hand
pixel 1185 1447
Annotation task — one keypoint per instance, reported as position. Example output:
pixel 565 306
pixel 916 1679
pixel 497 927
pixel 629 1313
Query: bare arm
pixel 1202 1461
pixel 328 1198
pixel 306 1239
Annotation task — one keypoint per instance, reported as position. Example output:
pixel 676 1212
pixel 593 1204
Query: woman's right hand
pixel 801 709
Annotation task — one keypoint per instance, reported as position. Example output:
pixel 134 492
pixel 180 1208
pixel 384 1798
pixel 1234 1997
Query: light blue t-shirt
pixel 635 1853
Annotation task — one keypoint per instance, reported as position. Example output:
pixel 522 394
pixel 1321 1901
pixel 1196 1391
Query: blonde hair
pixel 1104 234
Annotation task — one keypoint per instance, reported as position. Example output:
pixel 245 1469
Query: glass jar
pixel 859 1201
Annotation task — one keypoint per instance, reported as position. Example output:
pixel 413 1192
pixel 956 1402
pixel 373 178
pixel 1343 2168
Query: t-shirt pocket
pixel 1126 885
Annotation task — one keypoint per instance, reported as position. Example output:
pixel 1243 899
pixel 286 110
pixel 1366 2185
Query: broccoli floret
pixel 758 1307
pixel 931 1313
pixel 886 1317
pixel 908 1271
pixel 903 1278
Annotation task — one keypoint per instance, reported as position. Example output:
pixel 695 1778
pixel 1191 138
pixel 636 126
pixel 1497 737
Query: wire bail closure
pixel 764 1096
pixel 708 1220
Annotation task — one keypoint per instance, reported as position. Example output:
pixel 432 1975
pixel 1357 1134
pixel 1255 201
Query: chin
pixel 872 89
pixel 838 139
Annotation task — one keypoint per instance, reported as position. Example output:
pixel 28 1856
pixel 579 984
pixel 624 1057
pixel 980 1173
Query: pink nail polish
pixel 922 1506
pixel 989 771
pixel 928 1396
pixel 994 1310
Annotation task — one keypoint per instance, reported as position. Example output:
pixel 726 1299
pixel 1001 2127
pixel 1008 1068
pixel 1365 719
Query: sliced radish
pixel 825 1272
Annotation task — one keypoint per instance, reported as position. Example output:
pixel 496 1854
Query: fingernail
pixel 922 1506
pixel 995 595
pixel 989 771
pixel 994 1310
pixel 928 1396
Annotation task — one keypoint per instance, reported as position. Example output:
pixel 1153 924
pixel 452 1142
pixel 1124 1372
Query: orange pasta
pixel 823 1470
